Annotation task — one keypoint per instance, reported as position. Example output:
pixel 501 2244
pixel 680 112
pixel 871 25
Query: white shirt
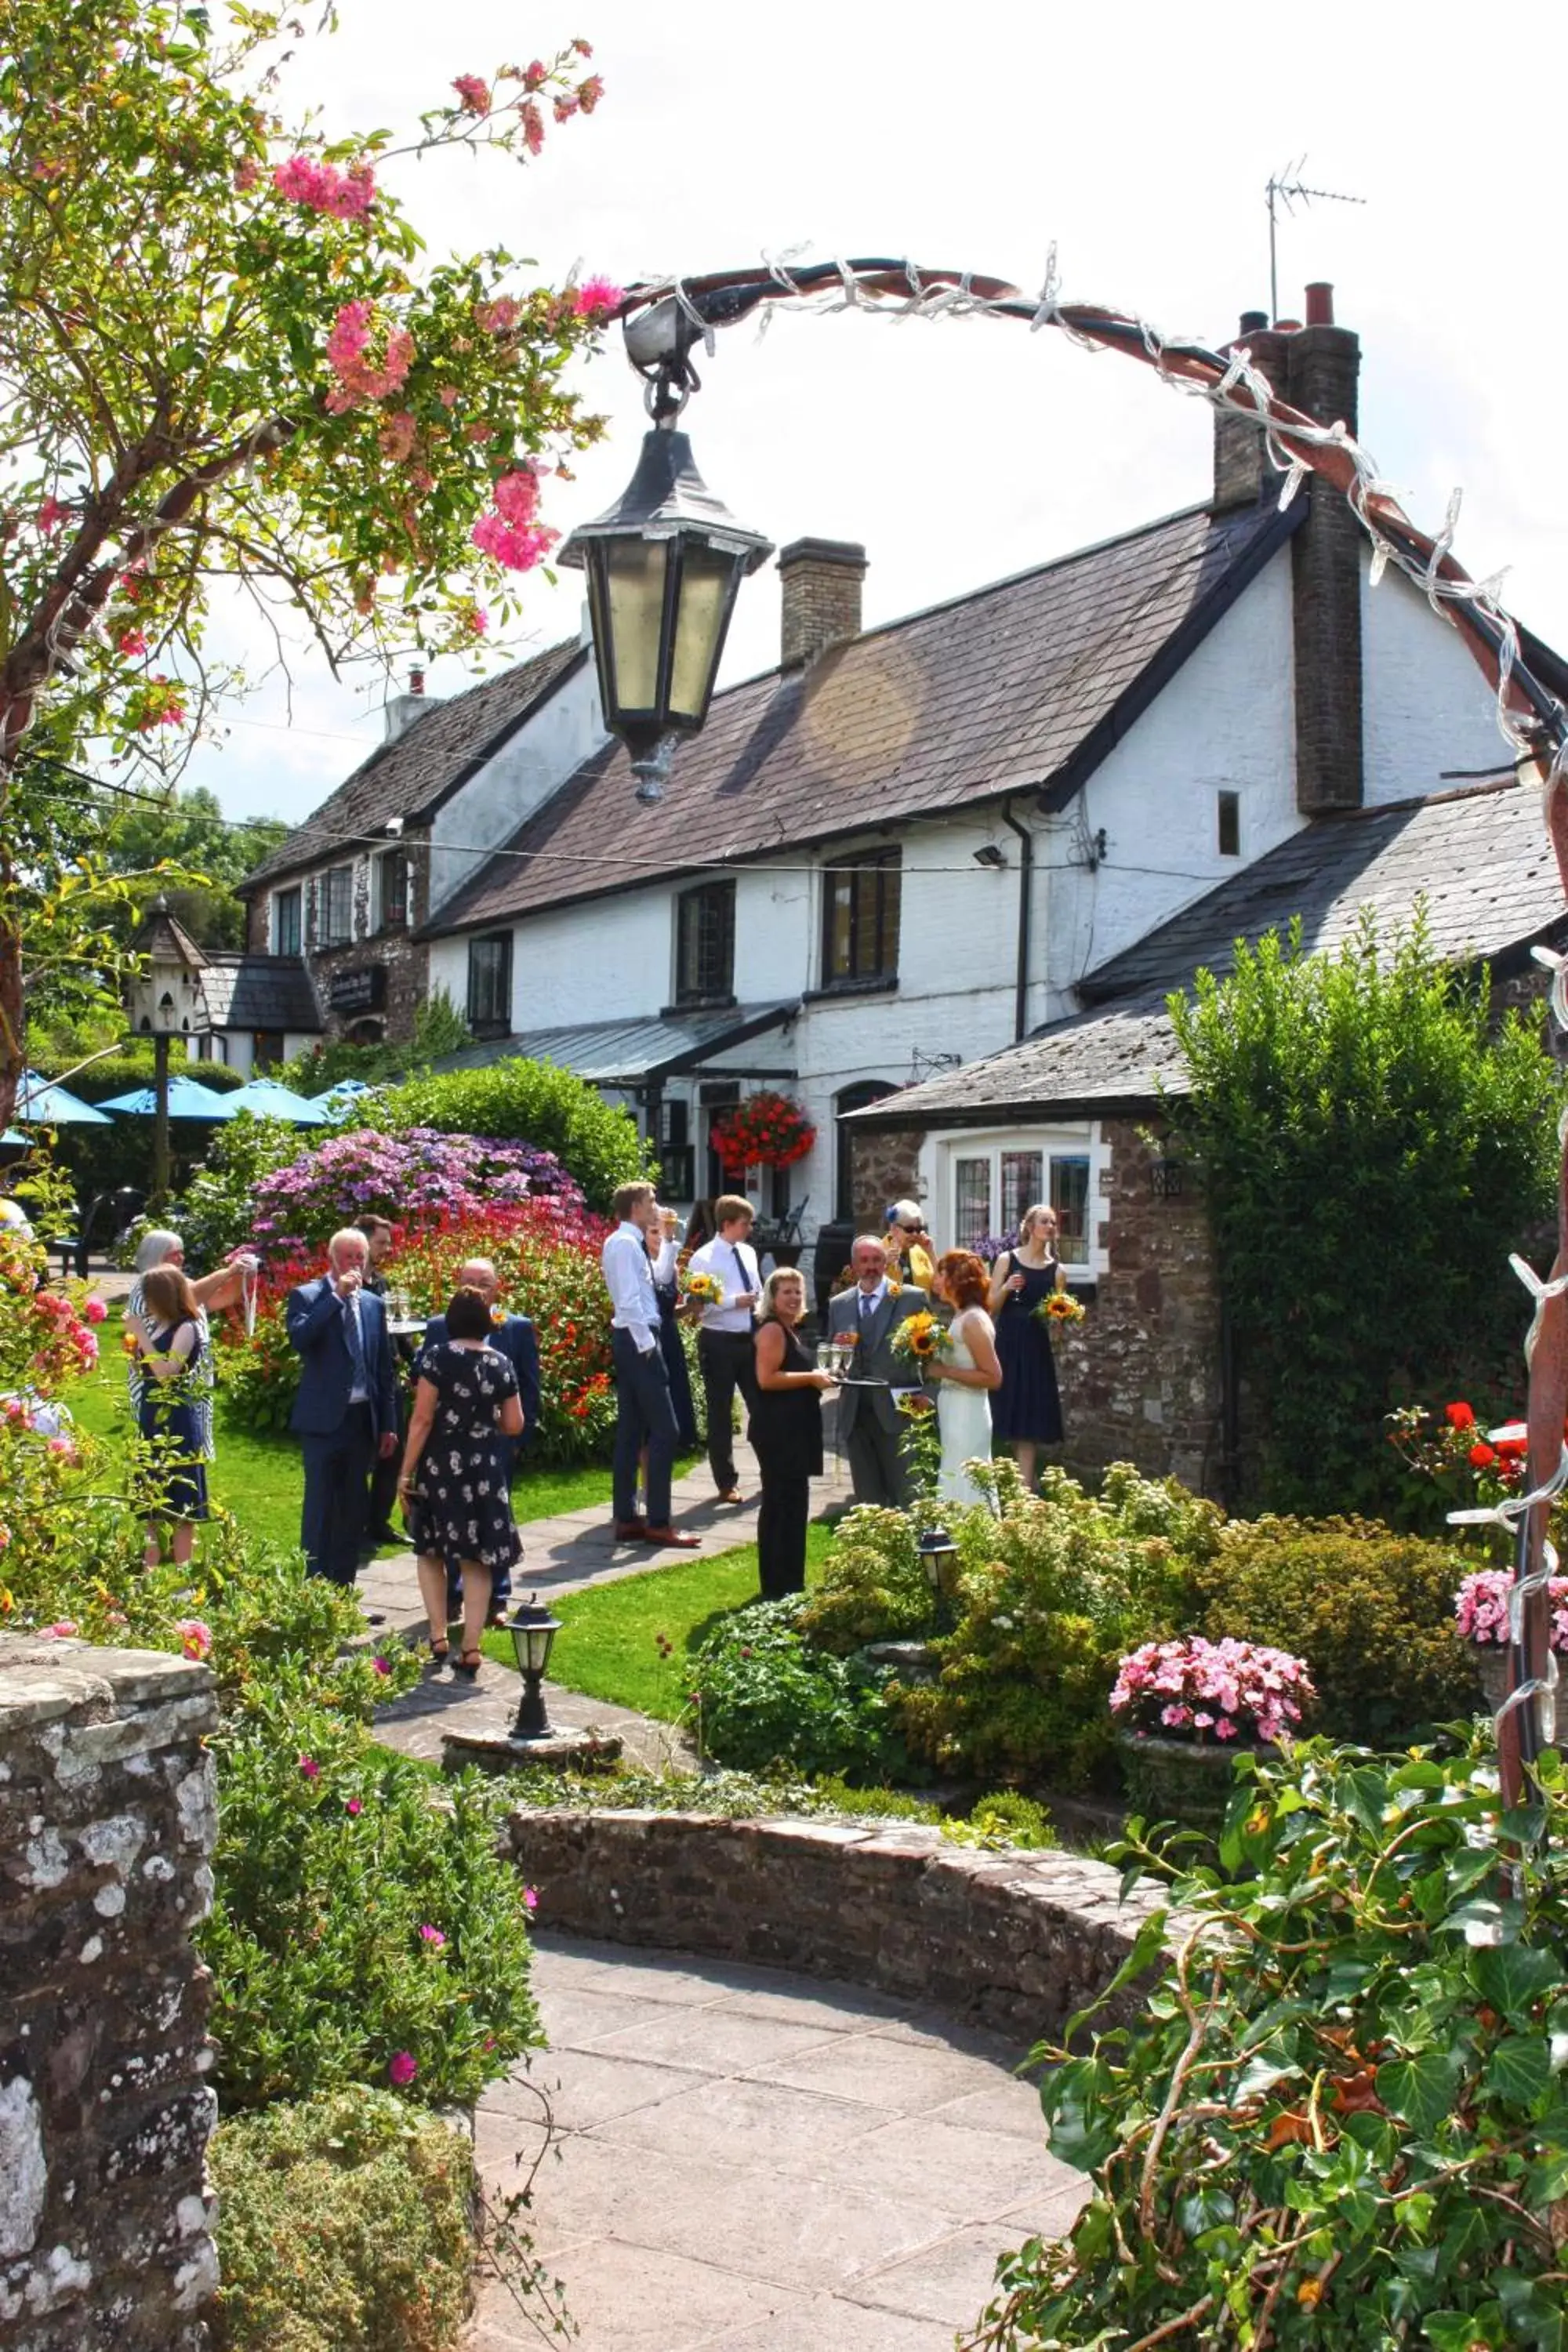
pixel 735 1264
pixel 628 1278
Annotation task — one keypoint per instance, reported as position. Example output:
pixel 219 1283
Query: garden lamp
pixel 664 564
pixel 936 1550
pixel 533 1631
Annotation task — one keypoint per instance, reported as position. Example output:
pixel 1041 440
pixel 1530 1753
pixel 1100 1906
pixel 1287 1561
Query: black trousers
pixel 644 1416
pixel 781 1519
pixel 728 1361
pixel 337 1496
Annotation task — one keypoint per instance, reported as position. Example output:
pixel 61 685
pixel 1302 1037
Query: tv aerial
pixel 1287 188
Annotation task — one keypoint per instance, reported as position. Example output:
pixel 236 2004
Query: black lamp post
pixel 664 564
pixel 937 1550
pixel 533 1631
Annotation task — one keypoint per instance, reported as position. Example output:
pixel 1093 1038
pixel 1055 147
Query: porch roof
pixel 635 1051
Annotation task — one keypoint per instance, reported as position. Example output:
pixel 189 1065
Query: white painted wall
pixel 1425 705
pixel 536 761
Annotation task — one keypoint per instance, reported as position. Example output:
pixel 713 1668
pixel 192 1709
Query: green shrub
pixel 343 2226
pixel 1372 1612
pixel 873 1586
pixel 1004 1818
pixel 1049 1597
pixel 523 1102
pixel 765 1698
pixel 1339 2123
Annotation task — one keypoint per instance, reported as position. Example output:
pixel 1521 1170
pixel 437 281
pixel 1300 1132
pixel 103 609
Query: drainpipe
pixel 1025 903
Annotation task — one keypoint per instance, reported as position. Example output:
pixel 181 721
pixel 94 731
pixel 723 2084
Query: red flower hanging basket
pixel 766 1130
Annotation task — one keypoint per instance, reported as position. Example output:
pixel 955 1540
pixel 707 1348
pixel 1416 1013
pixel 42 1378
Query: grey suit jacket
pixel 874 1357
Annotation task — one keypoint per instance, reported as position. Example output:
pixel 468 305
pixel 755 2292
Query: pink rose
pixel 401 2070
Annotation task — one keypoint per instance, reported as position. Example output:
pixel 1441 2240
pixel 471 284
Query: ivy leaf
pixel 1520 2070
pixel 1147 1946
pixel 1514 1977
pixel 1420 2089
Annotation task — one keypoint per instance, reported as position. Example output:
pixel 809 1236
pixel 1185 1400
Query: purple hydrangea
pixel 418 1173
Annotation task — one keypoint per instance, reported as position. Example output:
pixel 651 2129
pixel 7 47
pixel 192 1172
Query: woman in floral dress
pixel 454 1487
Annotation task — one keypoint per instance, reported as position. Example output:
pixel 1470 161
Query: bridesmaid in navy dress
pixel 1026 1410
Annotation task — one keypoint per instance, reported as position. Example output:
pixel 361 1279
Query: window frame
pixel 490 1024
pixel 294 899
pixel 331 937
pixel 389 919
pixel 1054 1147
pixel 871 961
pixel 691 906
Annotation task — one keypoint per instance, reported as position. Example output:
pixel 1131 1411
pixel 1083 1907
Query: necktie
pixel 867 1305
pixel 355 1340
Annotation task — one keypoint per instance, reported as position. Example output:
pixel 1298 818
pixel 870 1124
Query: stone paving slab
pixel 701 2201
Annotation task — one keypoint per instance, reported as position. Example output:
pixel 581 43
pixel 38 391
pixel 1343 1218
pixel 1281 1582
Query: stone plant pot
pixel 1186 1780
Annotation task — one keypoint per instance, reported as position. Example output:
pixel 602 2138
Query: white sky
pixel 1138 137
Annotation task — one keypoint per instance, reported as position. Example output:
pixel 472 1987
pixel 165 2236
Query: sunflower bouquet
pixel 699 1290
pixel 1059 1306
pixel 920 1337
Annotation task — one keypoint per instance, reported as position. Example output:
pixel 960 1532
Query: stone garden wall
pixel 1014 1941
pixel 106 1820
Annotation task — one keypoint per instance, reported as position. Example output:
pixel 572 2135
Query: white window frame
pixel 1070 1140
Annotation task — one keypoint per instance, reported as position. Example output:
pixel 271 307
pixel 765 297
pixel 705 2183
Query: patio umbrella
pixel 47 1105
pixel 344 1091
pixel 186 1100
pixel 268 1099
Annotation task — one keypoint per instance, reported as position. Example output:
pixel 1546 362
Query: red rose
pixel 1513 1449
pixel 1482 1456
pixel 1459 1416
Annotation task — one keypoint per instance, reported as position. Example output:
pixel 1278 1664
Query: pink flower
pixel 382 1665
pixel 401 2070
pixel 530 1898
pixel 449 396
pixel 596 298
pixel 473 94
pixel 133 643
pixel 246 177
pixel 515 495
pixel 533 126
pixel 396 438
pixel 322 188
pixel 535 76
pixel 590 92
pixel 94 1309
pixel 518 547
pixel 51 514
pixel 62 1448
pixel 62 1630
pixel 476 621
pixel 352 1807
pixel 498 318
pixel 309 1769
pixel 196 1637
pixel 432 1936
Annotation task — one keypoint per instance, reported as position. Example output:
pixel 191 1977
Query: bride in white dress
pixel 966 1377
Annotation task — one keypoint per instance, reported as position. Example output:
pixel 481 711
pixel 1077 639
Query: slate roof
pixel 258 991
pixel 1481 858
pixel 1024 684
pixel 412 776
pixel 617 1053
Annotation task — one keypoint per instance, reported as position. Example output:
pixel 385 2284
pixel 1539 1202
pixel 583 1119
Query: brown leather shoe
pixel 666 1537
pixel 730 1495
pixel 631 1531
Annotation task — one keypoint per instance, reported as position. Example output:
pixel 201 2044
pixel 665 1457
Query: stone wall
pixel 1014 1941
pixel 885 1167
pixel 107 1821
pixel 1140 1377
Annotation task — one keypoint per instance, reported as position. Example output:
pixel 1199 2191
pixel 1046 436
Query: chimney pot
pixel 1287 326
pixel 822 579
pixel 416 678
pixel 1319 304
pixel 1253 322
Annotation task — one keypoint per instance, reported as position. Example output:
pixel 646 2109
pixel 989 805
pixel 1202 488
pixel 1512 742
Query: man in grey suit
pixel 869 1424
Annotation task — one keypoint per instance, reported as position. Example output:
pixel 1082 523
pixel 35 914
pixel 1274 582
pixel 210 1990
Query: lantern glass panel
pixel 533 1645
pixel 634 598
pixel 704 597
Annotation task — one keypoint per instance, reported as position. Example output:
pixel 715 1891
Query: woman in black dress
pixel 454 1487
pixel 169 1335
pixel 785 1433
pixel 1026 1409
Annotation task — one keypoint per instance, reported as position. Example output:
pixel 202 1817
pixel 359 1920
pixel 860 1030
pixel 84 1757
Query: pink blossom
pixel 62 1448
pixel 590 92
pixel 94 1309
pixel 566 107
pixel 196 1637
pixel 533 126
pixel 309 1767
pixel 449 396
pixel 382 1665
pixel 1224 1728
pixel 535 76
pixel 246 177
pixel 530 1898
pixel 352 1807
pixel 473 94
pixel 133 643
pixel 322 188
pixel 349 354
pixel 62 1630
pixel 51 514
pixel 515 495
pixel 596 298
pixel 396 438
pixel 432 1936
pixel 476 621
pixel 401 2070
pixel 518 548
pixel 498 318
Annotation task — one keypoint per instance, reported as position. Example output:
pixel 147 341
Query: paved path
pixel 756 2162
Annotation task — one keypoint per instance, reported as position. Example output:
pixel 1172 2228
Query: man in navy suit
pixel 346 1410
pixel 514 1337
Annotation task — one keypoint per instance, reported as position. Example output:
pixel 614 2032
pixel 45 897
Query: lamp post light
pixel 937 1551
pixel 533 1631
pixel 664 564
pixel 166 1001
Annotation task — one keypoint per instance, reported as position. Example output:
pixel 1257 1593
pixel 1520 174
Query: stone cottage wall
pixel 107 1822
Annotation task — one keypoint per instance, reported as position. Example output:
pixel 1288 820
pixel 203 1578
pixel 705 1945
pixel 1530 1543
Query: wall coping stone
pixel 1012 1939
pixel 42 1679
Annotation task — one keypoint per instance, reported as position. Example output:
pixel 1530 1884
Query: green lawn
pixel 608 1646
pixel 260 1479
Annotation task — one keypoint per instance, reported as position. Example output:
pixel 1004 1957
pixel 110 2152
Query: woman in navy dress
pixel 455 1488
pixel 170 1411
pixel 1026 1410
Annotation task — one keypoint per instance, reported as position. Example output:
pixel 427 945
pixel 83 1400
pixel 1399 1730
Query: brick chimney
pixel 401 710
pixel 1316 367
pixel 822 579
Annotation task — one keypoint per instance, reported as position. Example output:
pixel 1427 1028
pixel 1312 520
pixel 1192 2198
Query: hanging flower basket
pixel 766 1130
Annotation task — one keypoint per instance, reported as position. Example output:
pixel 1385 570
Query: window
pixel 392 880
pixel 337 905
pixel 970 1201
pixel 286 922
pixel 677 1159
pixel 1229 806
pixel 990 1185
pixel 705 943
pixel 266 1049
pixel 1023 1174
pixel 490 984
pixel 860 918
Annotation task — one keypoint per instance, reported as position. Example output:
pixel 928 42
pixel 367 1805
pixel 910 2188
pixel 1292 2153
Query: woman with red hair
pixel 967 1376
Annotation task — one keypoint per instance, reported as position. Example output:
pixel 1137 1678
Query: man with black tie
pixel 726 1345
pixel 868 1425
pixel 346 1411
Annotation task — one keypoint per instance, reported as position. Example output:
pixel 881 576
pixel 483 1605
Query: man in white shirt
pixel 645 1414
pixel 726 1349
